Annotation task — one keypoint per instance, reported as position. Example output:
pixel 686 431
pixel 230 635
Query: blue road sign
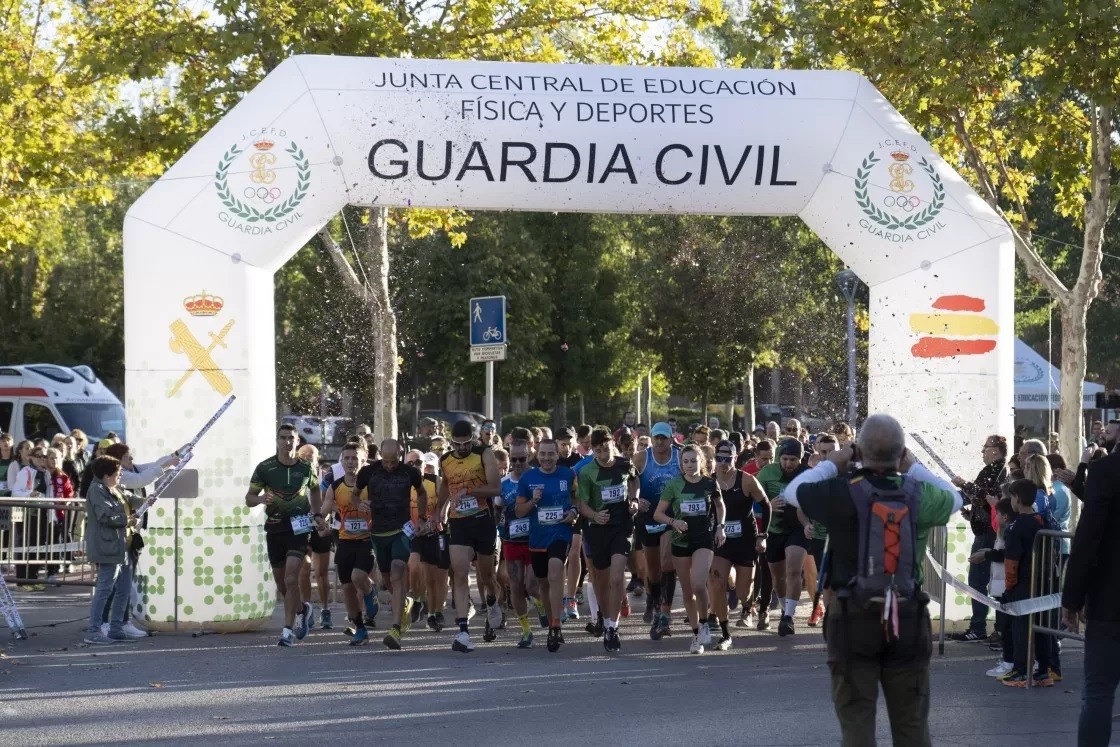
pixel 488 320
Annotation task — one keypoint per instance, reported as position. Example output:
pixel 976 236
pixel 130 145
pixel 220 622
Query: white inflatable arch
pixel 202 244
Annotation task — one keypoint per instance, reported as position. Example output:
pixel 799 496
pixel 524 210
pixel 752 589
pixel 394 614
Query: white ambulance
pixel 38 400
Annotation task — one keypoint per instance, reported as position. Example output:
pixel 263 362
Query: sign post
pixel 488 339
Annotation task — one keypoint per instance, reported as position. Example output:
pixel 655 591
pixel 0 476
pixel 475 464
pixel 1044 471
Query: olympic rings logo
pixel 902 201
pixel 269 196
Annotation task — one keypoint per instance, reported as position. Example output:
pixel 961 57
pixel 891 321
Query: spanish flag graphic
pixel 956 328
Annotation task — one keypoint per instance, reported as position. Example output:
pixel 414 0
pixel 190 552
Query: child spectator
pixel 1004 515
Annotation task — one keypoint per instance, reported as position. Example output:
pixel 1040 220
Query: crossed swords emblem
pixel 183 341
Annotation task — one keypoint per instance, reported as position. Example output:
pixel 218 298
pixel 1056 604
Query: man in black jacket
pixel 1093 584
pixel 978 512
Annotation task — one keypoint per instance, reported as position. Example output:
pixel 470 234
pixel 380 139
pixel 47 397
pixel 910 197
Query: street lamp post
pixel 849 284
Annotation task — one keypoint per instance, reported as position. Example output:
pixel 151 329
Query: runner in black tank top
pixel 743 544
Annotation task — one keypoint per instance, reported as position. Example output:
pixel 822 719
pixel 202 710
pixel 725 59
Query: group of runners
pixel 536 517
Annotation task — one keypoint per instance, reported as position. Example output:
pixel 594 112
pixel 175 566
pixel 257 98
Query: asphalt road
pixel 174 689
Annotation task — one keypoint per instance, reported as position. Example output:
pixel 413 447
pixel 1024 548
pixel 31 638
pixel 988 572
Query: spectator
pixel 80 455
pixel 978 513
pixel 1052 497
pixel 1092 588
pixel 773 431
pixel 844 433
pixel 7 457
pixel 1031 446
pixel 31 482
pixel 110 525
pixel 1005 514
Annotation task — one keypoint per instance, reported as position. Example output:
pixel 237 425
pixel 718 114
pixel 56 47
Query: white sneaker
pixel 132 631
pixel 724 643
pixel 494 616
pixel 462 643
pixel 705 635
pixel 1000 669
pixel 697 647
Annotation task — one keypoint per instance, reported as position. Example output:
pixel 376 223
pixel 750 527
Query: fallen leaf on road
pixel 156 684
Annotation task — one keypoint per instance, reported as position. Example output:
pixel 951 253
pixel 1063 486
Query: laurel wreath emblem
pixel 885 219
pixel 276 212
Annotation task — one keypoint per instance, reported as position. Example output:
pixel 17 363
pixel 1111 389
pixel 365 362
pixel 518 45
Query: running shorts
pixel 476 532
pixel 284 545
pixel 703 542
pixel 558 549
pixel 776 544
pixel 602 542
pixel 816 549
pixel 390 547
pixel 642 535
pixel 318 543
pixel 432 549
pixel 513 552
pixel 351 554
pixel 738 551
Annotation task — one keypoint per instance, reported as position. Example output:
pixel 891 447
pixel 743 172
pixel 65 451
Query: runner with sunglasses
pixel 656 466
pixel 470 484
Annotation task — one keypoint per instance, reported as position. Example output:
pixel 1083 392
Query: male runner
pixel 318 558
pixel 353 556
pixel 289 491
pixel 544 495
pixel 470 484
pixel 657 465
pixel 388 484
pixel 607 497
pixel 514 532
pixel 787 544
pixel 575 568
pixel 431 547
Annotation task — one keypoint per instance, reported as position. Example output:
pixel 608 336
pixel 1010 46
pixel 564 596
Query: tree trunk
pixel 748 400
pixel 385 329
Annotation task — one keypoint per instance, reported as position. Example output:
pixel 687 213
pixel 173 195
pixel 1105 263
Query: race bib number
pixel 356 526
pixel 408 530
pixel 614 494
pixel 301 524
pixel 656 528
pixel 733 529
pixel 549 516
pixel 518 528
pixel 694 508
pixel 466 505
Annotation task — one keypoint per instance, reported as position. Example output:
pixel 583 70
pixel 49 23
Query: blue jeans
pixel 1102 675
pixel 115 580
pixel 979 576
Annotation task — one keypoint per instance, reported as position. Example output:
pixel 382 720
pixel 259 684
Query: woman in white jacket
pixel 31 481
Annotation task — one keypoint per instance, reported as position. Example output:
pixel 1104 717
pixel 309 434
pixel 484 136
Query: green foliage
pixel 530 419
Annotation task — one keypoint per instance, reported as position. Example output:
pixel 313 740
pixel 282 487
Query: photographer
pixel 981 494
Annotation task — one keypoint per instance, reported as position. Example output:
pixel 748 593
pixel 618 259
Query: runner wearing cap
pixel 470 484
pixel 488 433
pixel 787 544
pixel 744 540
pixel 656 466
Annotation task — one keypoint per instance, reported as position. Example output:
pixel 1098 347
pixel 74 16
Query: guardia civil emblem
pixel 261 182
pixel 900 193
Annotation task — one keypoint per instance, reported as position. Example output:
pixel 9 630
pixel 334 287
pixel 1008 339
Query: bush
pixel 525 420
pixel 685 415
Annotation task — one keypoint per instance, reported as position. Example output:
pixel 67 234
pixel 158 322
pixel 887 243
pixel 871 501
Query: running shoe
pixel 625 609
pixel 471 611
pixel 639 588
pixel 555 638
pixel 631 586
pixel 705 634
pixel 724 643
pixel 392 639
pixel 349 630
pixel 303 622
pixel 612 642
pixel 462 643
pixel 488 633
pixel 1055 674
pixel 999 670
pixel 406 615
pixel 595 629
pixel 655 630
pixel 371 604
pixel 565 614
pixel 744 620
pixel 648 616
pixel 785 626
pixel 325 620
pixel 132 631
pixel 526 640
pixel 818 614
pixel 440 623
pixel 573 610
pixel 1018 679
pixel 542 618
pixel 361 637
pixel 419 611
pixel 285 638
pixel 494 616
pixel 663 630
pixel 969 636
pixel 370 622
pixel 697 647
pixel 763 621
pixel 432 622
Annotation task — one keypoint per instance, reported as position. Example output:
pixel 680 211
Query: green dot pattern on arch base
pixel 959 600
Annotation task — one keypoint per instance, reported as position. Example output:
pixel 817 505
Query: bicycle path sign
pixel 488 320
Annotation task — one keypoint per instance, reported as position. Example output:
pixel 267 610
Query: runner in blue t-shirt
pixel 544 494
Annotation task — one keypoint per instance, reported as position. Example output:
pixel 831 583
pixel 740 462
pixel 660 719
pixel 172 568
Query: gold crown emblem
pixel 900 155
pixel 265 144
pixel 203 304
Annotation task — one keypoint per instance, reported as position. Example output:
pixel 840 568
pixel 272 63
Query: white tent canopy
pixel 1038 382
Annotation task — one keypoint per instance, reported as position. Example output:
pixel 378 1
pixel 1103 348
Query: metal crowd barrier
pixel 937 543
pixel 1048 572
pixel 44 535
